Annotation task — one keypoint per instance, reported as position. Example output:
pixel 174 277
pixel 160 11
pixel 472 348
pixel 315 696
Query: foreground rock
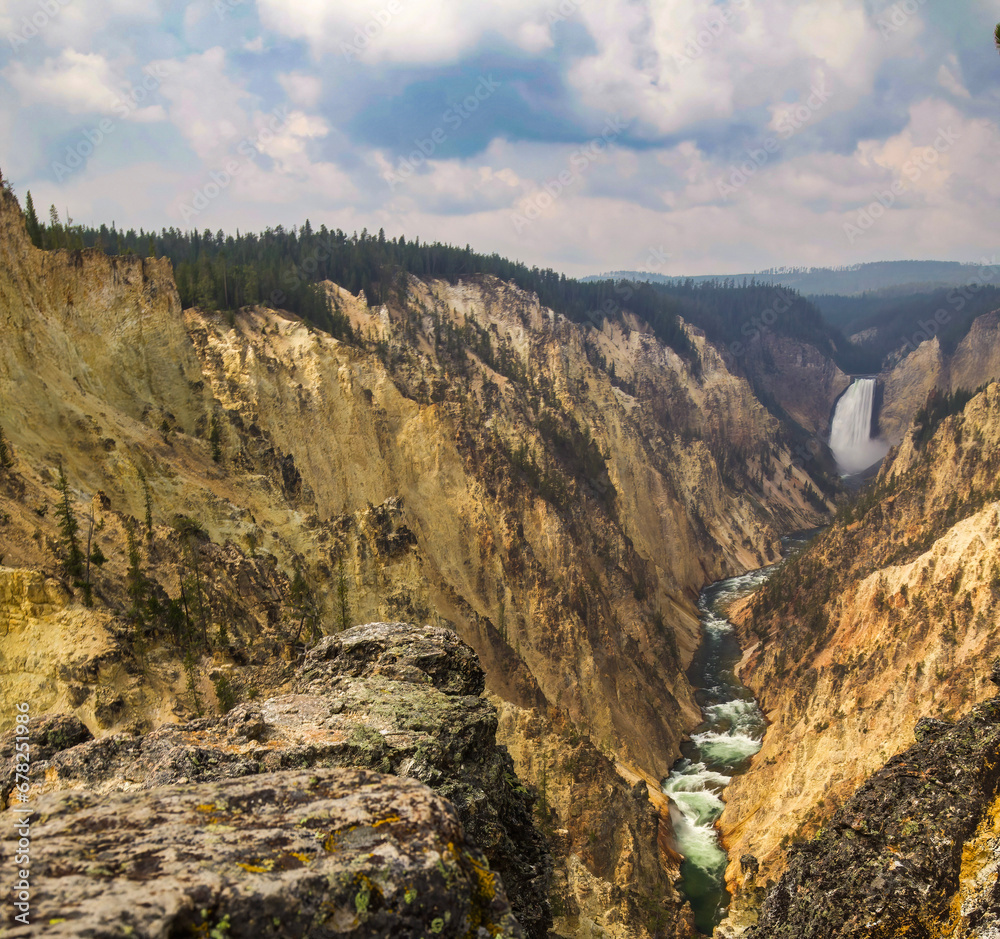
pixel 390 697
pixel 303 854
pixel 910 854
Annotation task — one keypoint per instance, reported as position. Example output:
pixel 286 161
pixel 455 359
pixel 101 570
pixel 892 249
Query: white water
pixel 731 733
pixel 694 789
pixel 850 436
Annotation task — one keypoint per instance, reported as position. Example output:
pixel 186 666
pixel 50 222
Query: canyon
pixel 512 515
pixel 253 483
pixel 888 618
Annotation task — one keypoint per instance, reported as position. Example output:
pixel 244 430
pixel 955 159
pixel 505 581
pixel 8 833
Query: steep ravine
pixel 291 484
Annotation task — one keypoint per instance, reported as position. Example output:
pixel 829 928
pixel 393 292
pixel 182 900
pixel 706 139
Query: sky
pixel 671 136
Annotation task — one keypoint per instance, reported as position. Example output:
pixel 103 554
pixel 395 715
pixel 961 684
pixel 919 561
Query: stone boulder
pixel 324 853
pixel 393 698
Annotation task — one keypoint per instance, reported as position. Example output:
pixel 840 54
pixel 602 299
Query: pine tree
pixel 215 439
pixel 138 586
pixel 148 503
pixel 303 605
pixel 55 230
pixel 31 222
pixel 68 525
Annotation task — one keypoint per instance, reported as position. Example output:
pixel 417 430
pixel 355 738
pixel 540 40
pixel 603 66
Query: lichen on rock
pixel 394 698
pixel 312 853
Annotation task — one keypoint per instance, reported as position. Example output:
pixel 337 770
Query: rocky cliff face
pixel 472 461
pixel 910 853
pixel 797 377
pixel 891 615
pixel 974 363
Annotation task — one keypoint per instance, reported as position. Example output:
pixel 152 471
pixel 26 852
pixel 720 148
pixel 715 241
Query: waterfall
pixel 850 436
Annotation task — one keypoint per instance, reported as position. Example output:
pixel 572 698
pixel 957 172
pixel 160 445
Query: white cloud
pixel 80 83
pixel 302 90
pixel 948 78
pixel 79 24
pixel 209 109
pixel 411 31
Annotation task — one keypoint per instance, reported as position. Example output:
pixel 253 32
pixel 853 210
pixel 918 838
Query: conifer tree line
pixel 283 268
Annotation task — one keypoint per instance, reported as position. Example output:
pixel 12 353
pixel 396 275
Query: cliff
pixel 466 461
pixel 797 377
pixel 387 697
pixel 974 363
pixel 912 853
pixel 889 616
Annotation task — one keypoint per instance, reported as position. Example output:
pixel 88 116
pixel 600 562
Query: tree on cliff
pixel 6 454
pixel 68 525
pixel 31 221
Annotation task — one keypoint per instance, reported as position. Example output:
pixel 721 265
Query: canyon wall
pixel 555 493
pixel 974 362
pixel 890 616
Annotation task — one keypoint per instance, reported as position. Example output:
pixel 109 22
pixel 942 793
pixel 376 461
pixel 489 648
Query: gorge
pixel 511 565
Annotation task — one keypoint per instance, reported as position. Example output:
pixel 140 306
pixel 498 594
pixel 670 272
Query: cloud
pixel 78 83
pixel 413 31
pixel 317 103
pixel 302 90
pixel 210 109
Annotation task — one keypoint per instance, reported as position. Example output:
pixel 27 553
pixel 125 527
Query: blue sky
pixel 586 135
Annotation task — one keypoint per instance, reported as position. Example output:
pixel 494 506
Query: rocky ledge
pixel 293 854
pixel 912 853
pixel 388 697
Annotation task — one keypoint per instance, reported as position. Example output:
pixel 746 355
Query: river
pixel 731 733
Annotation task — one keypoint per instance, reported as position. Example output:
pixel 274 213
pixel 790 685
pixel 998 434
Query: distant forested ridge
pixel 886 322
pixel 283 268
pixel 918 276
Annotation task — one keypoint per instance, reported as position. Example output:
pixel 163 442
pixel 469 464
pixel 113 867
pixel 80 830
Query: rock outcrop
pixel 893 861
pixel 310 854
pixel 973 363
pixel 389 697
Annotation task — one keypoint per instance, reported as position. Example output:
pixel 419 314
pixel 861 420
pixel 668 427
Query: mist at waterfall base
pixel 719 749
pixel 853 446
